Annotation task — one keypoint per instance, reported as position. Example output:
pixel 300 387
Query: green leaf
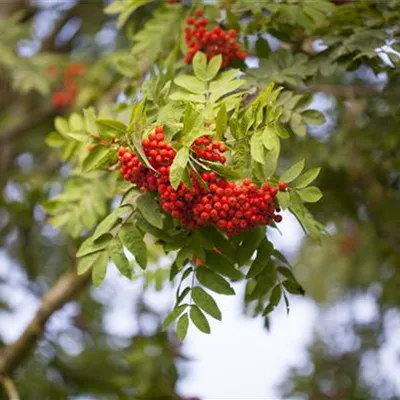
pixel 304 180
pixel 117 255
pixel 221 121
pixel 206 302
pixel 115 128
pixel 99 270
pixel 262 259
pixel 111 221
pixel 55 139
pixel 80 136
pixel 200 66
pixel 61 124
pixel 199 319
pixel 313 117
pixel 178 167
pixel 284 200
pixel 91 245
pixel 281 131
pixel 251 241
pixel 213 281
pixel 192 121
pixel 190 83
pixel 150 210
pixel 173 315
pixel 274 300
pixel 182 327
pixel 310 194
pixel 213 67
pixel 132 239
pixel 293 172
pixel 297 125
pixel 265 281
pixel 293 287
pixel 96 158
pixel 222 265
pixel 257 148
pixel 86 262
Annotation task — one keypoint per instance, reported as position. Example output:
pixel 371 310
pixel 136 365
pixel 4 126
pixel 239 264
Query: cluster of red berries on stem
pixel 231 207
pixel 209 150
pixel 66 95
pixel 212 42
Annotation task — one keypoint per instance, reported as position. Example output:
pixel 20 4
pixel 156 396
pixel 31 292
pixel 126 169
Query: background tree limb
pixel 67 286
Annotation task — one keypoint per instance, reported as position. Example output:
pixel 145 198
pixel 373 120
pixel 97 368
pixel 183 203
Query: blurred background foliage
pixel 355 82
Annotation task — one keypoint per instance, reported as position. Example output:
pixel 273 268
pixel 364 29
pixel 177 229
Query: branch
pixel 345 90
pixel 67 286
pixel 9 388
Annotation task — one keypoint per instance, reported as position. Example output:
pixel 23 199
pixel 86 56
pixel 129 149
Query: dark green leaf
pixel 213 281
pixel 173 315
pixel 132 239
pixel 182 327
pixel 150 209
pixel 262 259
pixel 251 241
pixel 99 270
pixel 206 302
pixel 293 287
pixel 265 281
pixel 274 300
pixel 223 266
pixel 117 255
pixel 199 319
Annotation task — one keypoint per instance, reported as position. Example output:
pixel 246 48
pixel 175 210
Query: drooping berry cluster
pixel 209 150
pixel 212 42
pixel 231 207
pixel 66 95
pixel 173 1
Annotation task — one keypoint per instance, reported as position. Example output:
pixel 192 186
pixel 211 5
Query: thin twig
pixel 9 388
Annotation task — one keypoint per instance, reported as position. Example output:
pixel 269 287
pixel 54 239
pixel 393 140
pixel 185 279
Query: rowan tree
pixel 165 140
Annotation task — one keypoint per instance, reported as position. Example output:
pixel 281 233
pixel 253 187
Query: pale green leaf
pixel 310 194
pixel 293 172
pixel 200 66
pixel 305 179
pixel 213 67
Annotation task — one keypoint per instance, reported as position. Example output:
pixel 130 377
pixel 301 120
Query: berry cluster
pixel 66 95
pixel 209 150
pixel 229 206
pixel 173 1
pixel 211 42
